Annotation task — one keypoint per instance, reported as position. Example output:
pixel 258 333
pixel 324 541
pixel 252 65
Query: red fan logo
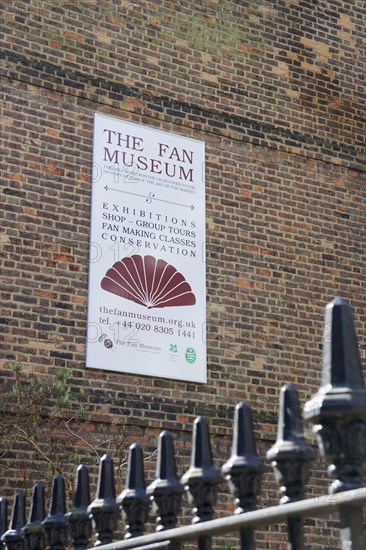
pixel 148 282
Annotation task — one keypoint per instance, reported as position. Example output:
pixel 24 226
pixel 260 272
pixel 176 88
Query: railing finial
pixel 166 490
pixel 55 524
pixel 104 508
pixel 133 499
pixel 79 518
pixel 339 408
pixel 202 478
pixel 339 413
pixel 13 537
pixel 341 362
pixel 33 531
pixel 243 469
pixel 290 455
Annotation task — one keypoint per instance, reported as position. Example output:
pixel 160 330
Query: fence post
pixel 3 519
pixel 339 411
pixel 202 479
pixel 55 525
pixel 13 537
pixel 33 530
pixel 290 457
pixel 166 491
pixel 243 470
pixel 104 508
pixel 79 518
pixel 134 500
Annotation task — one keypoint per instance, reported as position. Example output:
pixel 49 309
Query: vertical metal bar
pixel 202 479
pixel 55 525
pixel 204 543
pixel 133 499
pixel 3 519
pixel 33 530
pixel 243 470
pixel 295 529
pixel 290 457
pixel 13 537
pixel 166 491
pixel 247 540
pixel 104 508
pixel 339 413
pixel 352 527
pixel 78 518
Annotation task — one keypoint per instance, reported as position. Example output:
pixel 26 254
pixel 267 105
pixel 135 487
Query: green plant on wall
pixel 45 426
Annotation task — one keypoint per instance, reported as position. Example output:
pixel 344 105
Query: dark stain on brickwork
pixel 248 127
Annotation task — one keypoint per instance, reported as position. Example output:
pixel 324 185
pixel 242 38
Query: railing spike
pixel 290 455
pixel 82 490
pixel 341 364
pixel 338 411
pixel 104 508
pixel 166 490
pixel 201 479
pixel 133 499
pixel 243 438
pixel 290 458
pixel 55 525
pixel 243 470
pixel 201 456
pixel 37 511
pixel 79 518
pixel 33 530
pixel 3 519
pixel 13 537
pixel 339 408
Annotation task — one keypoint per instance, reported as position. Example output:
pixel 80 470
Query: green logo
pixel 173 348
pixel 190 355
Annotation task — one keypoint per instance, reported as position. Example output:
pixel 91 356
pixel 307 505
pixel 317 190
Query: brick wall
pixel 276 91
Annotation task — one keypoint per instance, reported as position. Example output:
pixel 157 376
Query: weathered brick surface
pixel 276 90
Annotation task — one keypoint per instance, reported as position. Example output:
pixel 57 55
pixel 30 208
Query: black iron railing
pixel 339 413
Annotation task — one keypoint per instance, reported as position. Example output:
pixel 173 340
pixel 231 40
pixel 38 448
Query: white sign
pixel 147 295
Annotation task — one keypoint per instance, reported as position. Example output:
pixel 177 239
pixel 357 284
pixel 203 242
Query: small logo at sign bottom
pixel 191 355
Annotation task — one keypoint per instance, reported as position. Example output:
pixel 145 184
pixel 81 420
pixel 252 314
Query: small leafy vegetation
pixel 45 426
